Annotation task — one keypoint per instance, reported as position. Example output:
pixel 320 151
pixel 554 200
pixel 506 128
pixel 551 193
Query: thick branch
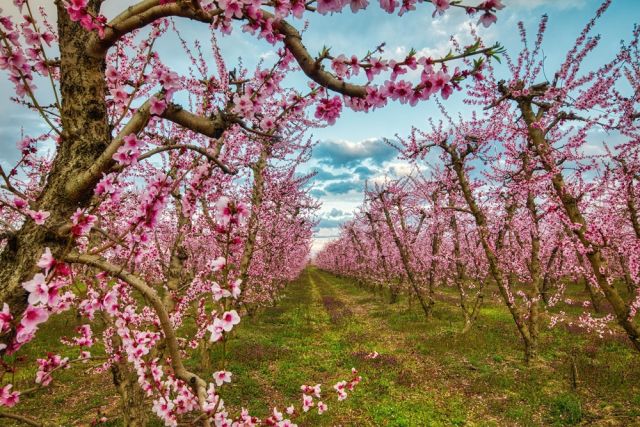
pixel 85 180
pixel 22 418
pixel 141 15
pixel 198 384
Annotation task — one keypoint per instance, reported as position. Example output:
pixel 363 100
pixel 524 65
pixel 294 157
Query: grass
pixel 427 373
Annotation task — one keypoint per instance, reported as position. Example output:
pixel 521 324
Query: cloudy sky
pixel 353 150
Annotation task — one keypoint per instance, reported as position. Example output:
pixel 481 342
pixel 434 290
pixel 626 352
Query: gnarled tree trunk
pixel 84 135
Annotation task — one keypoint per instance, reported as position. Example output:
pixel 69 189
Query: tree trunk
pixel 494 266
pixel 404 256
pixel 85 134
pixel 132 406
pixel 594 253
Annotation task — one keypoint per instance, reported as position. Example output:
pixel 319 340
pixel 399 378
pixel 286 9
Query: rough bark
pixel 84 136
pixel 132 406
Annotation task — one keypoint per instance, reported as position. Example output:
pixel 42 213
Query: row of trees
pixel 534 195
pixel 168 204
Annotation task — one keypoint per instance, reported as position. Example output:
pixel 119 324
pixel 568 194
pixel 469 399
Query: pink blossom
pixel 329 109
pixel 492 4
pixel 82 223
pixel 487 19
pixel 218 264
pixel 216 329
pixel 229 320
pixel 307 402
pixel 326 6
pixel 32 317
pixel 222 377
pixel 46 261
pixel 218 292
pixel 157 106
pixel 235 288
pixel 267 123
pixel 388 5
pixel 19 203
pixel 5 318
pixel 441 6
pixel 39 217
pixel 7 397
pixel 38 289
pixel 356 5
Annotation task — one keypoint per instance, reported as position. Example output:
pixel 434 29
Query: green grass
pixel 427 374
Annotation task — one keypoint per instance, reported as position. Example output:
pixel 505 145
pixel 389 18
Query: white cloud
pixel 557 4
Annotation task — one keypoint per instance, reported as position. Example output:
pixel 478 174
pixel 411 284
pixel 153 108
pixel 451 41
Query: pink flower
pixel 235 288
pixel 216 329
pixel 325 6
pixel 322 407
pixel 19 203
pixel 388 5
pixel 487 19
pixel 339 65
pixel 267 123
pixel 131 141
pixel 32 317
pixel 229 320
pixel 218 292
pixel 441 6
pixel 232 8
pixel 297 8
pixel 112 74
pixel 7 397
pixel 46 262
pixel 340 388
pixel 38 290
pixel 356 5
pixel 243 105
pixel 106 185
pixel 218 264
pixel 120 95
pixel 5 318
pixel 39 217
pixel 222 377
pixel 82 222
pixel 492 4
pixel 157 106
pixel 126 156
pixel 307 402
pixel 329 109
pixel 223 210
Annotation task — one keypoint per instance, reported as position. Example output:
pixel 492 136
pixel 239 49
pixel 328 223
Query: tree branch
pixel 198 385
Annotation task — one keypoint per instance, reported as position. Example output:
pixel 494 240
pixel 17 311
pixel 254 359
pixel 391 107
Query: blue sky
pixel 353 150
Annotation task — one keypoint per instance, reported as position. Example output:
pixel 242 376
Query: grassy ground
pixel 427 374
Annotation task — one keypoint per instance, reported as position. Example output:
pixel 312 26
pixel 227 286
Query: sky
pixel 353 150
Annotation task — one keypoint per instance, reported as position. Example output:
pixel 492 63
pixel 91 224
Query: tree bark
pixel 84 136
